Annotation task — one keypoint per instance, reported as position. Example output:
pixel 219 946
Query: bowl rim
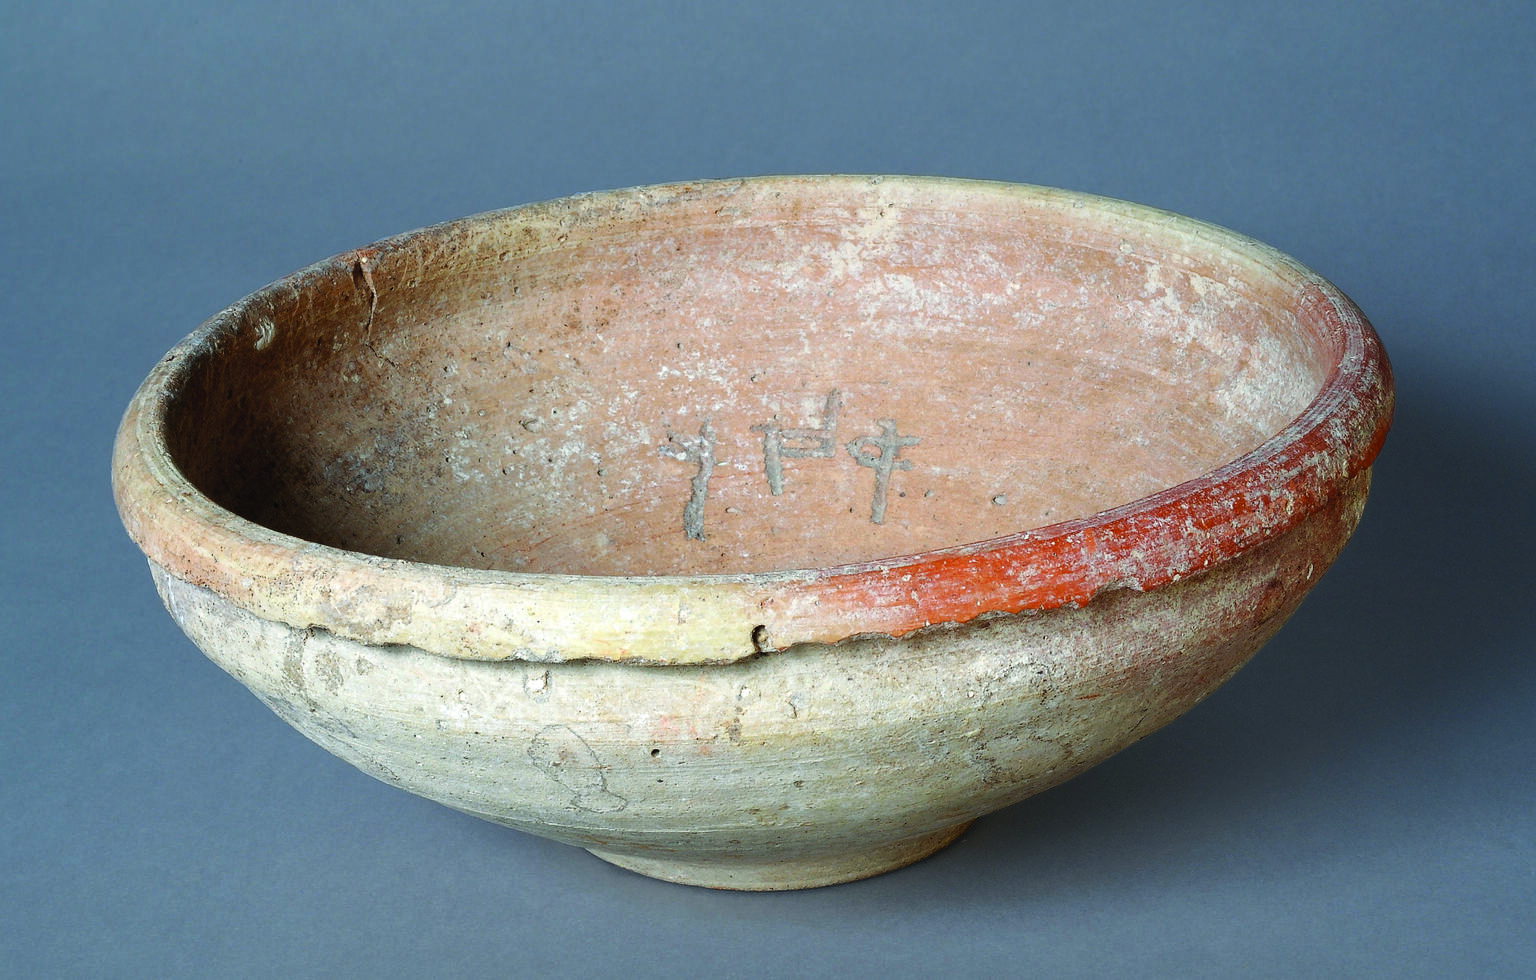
pixel 477 614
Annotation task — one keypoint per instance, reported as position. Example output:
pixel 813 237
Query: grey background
pixel 1357 801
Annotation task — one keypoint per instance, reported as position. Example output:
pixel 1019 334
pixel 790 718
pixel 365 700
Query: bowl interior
pixel 786 375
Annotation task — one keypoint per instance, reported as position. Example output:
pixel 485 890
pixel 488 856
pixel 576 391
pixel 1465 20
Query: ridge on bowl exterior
pixel 756 534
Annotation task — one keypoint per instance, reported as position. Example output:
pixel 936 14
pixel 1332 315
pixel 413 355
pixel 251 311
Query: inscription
pixel 699 450
pixel 882 453
pixel 780 443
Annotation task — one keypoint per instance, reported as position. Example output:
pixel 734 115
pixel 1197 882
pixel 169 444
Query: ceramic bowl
pixel 756 534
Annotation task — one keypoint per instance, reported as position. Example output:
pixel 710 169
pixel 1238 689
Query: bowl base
pixel 745 874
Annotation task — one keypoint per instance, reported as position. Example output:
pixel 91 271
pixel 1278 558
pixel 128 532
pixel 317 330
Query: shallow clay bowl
pixel 756 534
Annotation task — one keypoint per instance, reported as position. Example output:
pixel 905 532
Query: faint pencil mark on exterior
pixel 565 757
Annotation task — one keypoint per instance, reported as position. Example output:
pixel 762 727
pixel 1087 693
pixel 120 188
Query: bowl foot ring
pixel 754 874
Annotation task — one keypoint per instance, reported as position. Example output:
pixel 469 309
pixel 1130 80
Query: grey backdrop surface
pixel 1357 801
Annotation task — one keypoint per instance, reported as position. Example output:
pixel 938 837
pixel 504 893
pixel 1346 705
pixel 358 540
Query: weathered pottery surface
pixel 756 534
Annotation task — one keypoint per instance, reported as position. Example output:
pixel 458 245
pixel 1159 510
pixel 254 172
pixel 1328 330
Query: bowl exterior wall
pixel 818 749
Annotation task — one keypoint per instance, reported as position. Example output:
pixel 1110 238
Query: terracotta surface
pixel 757 533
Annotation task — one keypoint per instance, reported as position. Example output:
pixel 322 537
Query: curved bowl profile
pixel 756 534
